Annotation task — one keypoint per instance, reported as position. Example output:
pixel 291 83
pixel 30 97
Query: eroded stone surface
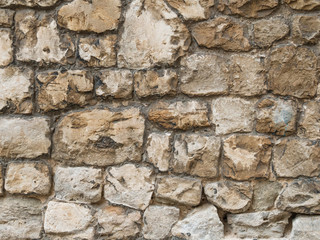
pixel 309 125
pixel 303 4
pixel 6 17
pixel 6 56
pixel 87 234
pixel 306 29
pixel 1 180
pixel 28 3
pixel 192 10
pixel 265 194
pixel 305 228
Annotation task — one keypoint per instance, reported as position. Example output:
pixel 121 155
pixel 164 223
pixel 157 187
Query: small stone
pixel 201 223
pixel 303 4
pixel 234 197
pixel 98 51
pixel 196 155
pixel 6 56
pixel 80 184
pixel 28 3
pixel 305 228
pixel 181 190
pixel 63 217
pixel 6 17
pixel 204 74
pixel 28 178
pixel 306 29
pixel 265 194
pixel 309 125
pixel 222 33
pixel 95 16
pixel 158 221
pixel 1 180
pixel 180 115
pixel 130 186
pixel 246 157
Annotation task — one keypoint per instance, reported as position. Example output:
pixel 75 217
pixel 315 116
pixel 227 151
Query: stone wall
pixel 159 119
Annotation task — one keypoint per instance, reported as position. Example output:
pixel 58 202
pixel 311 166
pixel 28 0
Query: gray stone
pixel 305 228
pixel 265 194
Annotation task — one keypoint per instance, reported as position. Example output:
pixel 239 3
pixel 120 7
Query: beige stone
pixel 99 137
pixel 306 29
pixel 6 17
pixel 265 194
pixel 1 179
pixel 305 228
pixel 309 124
pixel 87 234
pixel 28 3
pixel 303 4
pixel 6 56
pixel 96 16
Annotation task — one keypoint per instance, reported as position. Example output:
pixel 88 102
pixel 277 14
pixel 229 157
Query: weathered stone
pixel 129 185
pixel 192 10
pixel 246 157
pixel 81 184
pixel 28 3
pixel 153 35
pixel 87 234
pixel 305 228
pixel 98 51
pixel 24 138
pixel 6 56
pixel 276 116
pixel 6 17
pixel 115 83
pixel 309 124
pixel 303 4
pixel 265 194
pixel 57 90
pixel 180 115
pixel 306 29
pixel 178 189
pixel 296 157
pixel 204 74
pixel 222 33
pixel 96 16
pixel 63 217
pixel 201 223
pixel 1 180
pixel 99 137
pixel 293 71
pixel 150 82
pixel 230 196
pixel 237 117
pixel 158 221
pixel 28 177
pixel 196 155
pixel 266 224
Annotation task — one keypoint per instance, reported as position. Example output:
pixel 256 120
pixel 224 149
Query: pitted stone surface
pixel 6 17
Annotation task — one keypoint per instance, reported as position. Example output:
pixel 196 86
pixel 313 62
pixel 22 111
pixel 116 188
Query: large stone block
pixel 306 29
pixel 303 4
pixel 305 228
pixel 6 49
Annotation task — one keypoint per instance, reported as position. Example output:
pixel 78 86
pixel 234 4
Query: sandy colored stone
pixel 246 157
pixel 6 56
pixel 196 155
pixel 99 137
pixel 265 194
pixel 204 74
pixel 306 29
pixel 130 186
pixel 1 179
pixel 201 223
pixel 309 124
pixel 296 157
pixel 158 221
pixel 96 16
pixel 234 197
pixel 58 90
pixel 180 115
pixel 180 190
pixel 87 234
pixel 81 184
pixel 6 17
pixel 98 51
pixel 24 137
pixel 191 9
pixel 153 35
pixel 28 178
pixel 221 32
pixel 293 71
pixel 303 4
pixel 28 3
pixel 305 228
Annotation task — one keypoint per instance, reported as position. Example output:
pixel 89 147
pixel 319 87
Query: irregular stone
pixel 153 35
pixel 24 138
pixel 181 190
pixel 222 33
pixel 237 117
pixel 306 29
pixel 115 83
pixel 1 180
pixel 180 115
pixel 130 186
pixel 305 228
pixel 234 197
pixel 98 51
pixel 265 194
pixel 6 17
pixel 196 155
pixel 151 82
pixel 99 137
pixel 276 116
pixel 58 90
pixel 309 125
pixel 296 157
pixel 266 224
pixel 87 234
pixel 28 3
pixel 158 221
pixel 63 217
pixel 201 223
pixel 246 157
pixel 81 184
pixel 28 177
pixel 303 4
pixel 204 74
pixel 293 71
pixel 95 16
pixel 6 49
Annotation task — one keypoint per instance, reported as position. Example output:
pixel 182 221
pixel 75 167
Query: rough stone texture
pixel 306 29
pixel 196 155
pixel 6 49
pixel 24 137
pixel 305 228
pixel 130 186
pixel 265 194
pixel 193 10
pixel 201 223
pixel 99 137
pixel 230 196
pixel 303 4
pixel 246 156
pixel 28 3
pixel 153 35
pixel 6 17
pixel 97 16
pixel 158 221
pixel 87 234
pixel 309 125
pixel 1 179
